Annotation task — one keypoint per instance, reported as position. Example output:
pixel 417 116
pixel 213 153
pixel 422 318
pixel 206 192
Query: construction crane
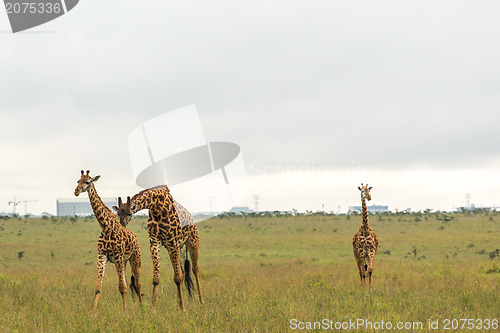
pixel 15 203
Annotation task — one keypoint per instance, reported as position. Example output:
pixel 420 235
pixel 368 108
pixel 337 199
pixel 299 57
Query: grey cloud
pixel 387 84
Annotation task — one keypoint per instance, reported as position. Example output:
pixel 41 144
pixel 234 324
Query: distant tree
pixel 494 254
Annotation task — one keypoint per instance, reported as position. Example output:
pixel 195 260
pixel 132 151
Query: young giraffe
pixel 116 243
pixel 365 242
pixel 170 225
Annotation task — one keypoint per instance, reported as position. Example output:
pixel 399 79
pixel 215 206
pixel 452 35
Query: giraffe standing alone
pixel 116 243
pixel 365 242
pixel 170 225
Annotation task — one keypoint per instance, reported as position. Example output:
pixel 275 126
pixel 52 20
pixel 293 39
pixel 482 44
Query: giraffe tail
pixel 187 278
pixel 133 287
pixel 367 259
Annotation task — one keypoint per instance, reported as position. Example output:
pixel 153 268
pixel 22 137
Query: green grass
pixel 257 275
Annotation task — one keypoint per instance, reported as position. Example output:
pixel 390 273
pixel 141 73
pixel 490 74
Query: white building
pixel 79 206
pixel 242 209
pixel 371 209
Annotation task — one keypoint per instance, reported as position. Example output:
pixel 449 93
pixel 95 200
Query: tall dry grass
pixel 257 275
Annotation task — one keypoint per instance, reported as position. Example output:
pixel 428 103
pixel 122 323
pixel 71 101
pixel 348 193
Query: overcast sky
pixel 320 96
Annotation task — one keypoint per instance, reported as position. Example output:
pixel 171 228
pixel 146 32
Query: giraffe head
pixel 365 192
pixel 123 211
pixel 85 182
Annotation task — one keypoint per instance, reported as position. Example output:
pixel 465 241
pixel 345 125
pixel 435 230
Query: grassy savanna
pixel 258 274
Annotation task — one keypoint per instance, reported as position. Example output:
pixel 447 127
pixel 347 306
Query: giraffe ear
pixel 370 188
pixel 115 208
pixel 359 188
pixel 96 178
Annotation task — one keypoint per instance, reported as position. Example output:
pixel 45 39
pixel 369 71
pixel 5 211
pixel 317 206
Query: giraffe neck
pixel 103 214
pixel 140 201
pixel 364 210
pixel 149 199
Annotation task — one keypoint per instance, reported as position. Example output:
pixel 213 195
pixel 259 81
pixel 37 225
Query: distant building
pixel 239 210
pixel 371 209
pixel 473 208
pixel 79 206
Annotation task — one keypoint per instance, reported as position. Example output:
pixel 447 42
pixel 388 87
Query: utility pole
pixel 14 203
pixel 211 200
pixel 256 202
pixel 467 200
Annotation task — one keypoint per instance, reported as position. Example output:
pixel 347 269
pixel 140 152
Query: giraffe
pixel 116 243
pixel 365 242
pixel 170 225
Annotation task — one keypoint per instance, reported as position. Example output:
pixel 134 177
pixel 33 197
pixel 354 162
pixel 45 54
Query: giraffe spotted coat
pixel 116 243
pixel 169 225
pixel 365 241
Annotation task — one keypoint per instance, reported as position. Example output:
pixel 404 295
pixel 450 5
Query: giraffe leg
pixel 175 258
pixel 365 261
pixel 370 268
pixel 359 261
pixel 358 255
pixel 101 266
pixel 365 273
pixel 122 283
pixel 372 254
pixel 360 269
pixel 154 247
pixel 369 273
pixel 193 248
pixel 135 264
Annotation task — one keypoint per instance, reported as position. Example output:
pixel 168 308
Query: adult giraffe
pixel 365 241
pixel 170 225
pixel 116 243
